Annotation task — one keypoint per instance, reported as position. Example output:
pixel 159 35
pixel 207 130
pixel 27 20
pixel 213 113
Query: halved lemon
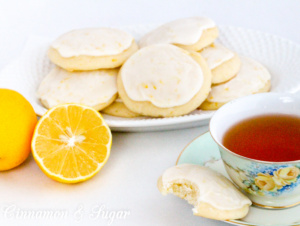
pixel 71 143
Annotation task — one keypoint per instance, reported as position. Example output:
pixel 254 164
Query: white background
pixel 128 181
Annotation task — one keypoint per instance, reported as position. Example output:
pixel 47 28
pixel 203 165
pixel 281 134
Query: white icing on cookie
pixel 93 42
pixel 216 54
pixel 163 74
pixel 251 78
pixel 89 88
pixel 186 31
pixel 214 188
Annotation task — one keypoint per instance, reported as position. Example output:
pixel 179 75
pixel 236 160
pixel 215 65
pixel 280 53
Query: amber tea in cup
pixel 269 137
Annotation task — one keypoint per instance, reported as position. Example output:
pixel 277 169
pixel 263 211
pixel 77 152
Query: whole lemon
pixel 17 123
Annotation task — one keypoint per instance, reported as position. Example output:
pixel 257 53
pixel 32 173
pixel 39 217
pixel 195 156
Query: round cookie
pixel 192 33
pixel 92 49
pixel 96 89
pixel 252 78
pixel 119 109
pixel 163 81
pixel 212 195
pixel 224 64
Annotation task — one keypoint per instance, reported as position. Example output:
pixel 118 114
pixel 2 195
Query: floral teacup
pixel 267 184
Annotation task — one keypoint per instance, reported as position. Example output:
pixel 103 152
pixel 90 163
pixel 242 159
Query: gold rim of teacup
pixel 275 207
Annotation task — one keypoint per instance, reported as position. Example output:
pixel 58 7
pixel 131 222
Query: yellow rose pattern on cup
pixel 265 182
pixel 271 181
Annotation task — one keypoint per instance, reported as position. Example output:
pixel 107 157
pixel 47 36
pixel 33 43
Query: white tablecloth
pixel 127 184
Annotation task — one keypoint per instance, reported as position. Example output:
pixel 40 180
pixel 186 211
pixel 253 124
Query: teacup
pixel 264 182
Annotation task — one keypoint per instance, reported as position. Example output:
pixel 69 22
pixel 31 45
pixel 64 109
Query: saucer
pixel 204 151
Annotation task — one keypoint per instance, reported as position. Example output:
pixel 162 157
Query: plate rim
pixel 146 124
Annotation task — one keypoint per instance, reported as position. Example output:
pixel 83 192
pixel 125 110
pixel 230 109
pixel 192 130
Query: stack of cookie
pixel 232 76
pixel 87 62
pixel 178 68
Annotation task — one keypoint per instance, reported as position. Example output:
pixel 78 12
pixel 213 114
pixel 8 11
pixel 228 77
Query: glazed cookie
pixel 91 49
pixel 224 64
pixel 252 78
pixel 163 80
pixel 96 89
pixel 212 195
pixel 192 33
pixel 119 109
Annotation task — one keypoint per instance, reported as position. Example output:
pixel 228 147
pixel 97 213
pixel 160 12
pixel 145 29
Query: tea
pixel 273 138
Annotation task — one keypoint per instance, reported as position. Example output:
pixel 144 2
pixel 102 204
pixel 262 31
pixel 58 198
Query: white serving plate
pixel 280 56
